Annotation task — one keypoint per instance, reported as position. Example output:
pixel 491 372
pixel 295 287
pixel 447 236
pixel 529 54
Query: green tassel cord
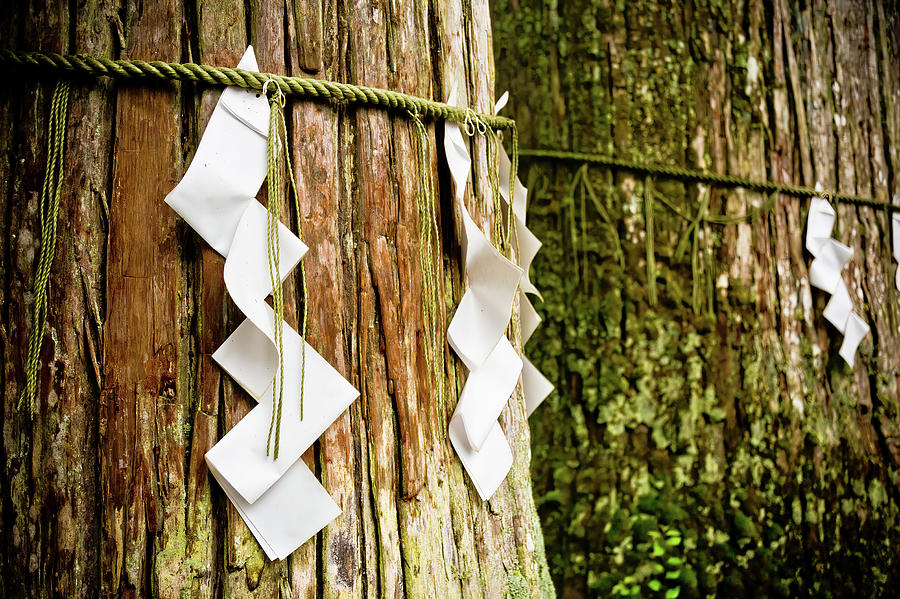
pixel 429 257
pixel 278 160
pixel 48 209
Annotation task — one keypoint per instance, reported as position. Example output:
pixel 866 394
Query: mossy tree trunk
pixel 106 492
pixel 722 413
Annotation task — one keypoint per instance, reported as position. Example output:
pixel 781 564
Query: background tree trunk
pixel 106 492
pixel 736 426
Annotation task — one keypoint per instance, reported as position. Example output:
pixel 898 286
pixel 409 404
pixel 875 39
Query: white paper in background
pixel 839 307
pixel 819 224
pixel 854 333
pixel 528 318
pixel 216 197
pixel 477 335
pixel 535 385
pixel 829 258
pixel 825 270
pixel 895 234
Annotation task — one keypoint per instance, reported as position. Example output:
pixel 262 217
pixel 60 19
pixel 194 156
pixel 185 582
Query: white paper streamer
pixel 281 501
pixel 535 386
pixel 829 258
pixel 476 334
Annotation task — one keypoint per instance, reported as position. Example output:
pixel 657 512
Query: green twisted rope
pixel 274 166
pixel 277 146
pixel 48 209
pixel 691 175
pixel 84 65
pixel 429 244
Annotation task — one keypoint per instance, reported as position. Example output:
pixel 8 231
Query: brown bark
pixel 106 492
pixel 703 422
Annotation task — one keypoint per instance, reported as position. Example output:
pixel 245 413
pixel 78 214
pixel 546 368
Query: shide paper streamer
pixel 281 500
pixel 535 386
pixel 477 332
pixel 829 258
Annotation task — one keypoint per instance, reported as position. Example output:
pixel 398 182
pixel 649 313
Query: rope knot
pixel 277 96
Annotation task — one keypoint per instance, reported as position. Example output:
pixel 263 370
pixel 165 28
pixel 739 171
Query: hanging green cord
pixel 290 170
pixel 273 176
pixel 48 210
pixel 513 175
pixel 428 257
pixel 491 150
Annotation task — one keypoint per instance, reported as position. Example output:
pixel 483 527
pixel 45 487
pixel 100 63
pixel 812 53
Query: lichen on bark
pixel 737 428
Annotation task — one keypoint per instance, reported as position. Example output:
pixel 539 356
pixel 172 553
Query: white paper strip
pixel 829 259
pixel 855 330
pixel 535 386
pixel 281 501
pixel 477 335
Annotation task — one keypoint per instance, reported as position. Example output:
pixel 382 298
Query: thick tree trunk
pixel 737 427
pixel 106 491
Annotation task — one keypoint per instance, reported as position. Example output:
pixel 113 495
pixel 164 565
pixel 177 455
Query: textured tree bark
pixel 106 492
pixel 738 427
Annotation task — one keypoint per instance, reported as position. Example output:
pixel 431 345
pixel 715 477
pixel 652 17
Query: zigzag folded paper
pixel 280 500
pixel 829 258
pixel 535 386
pixel 477 335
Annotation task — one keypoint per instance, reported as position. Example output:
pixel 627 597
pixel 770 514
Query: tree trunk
pixel 106 491
pixel 723 416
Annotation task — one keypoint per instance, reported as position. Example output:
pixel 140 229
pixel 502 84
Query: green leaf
pixel 654 585
pixel 658 568
pixel 674 561
pixel 673 541
pixel 673 593
pixel 673 574
pixel 636 590
pixel 657 550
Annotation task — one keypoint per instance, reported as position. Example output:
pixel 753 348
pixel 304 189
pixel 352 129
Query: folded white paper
pixel 855 330
pixel 228 167
pixel 535 386
pixel 290 513
pixel 485 308
pixel 477 335
pixel 281 501
pixel 486 392
pixel 528 318
pixel 240 456
pixel 829 258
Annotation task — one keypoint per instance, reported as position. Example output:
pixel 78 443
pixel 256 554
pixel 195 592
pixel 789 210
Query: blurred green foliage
pixel 669 463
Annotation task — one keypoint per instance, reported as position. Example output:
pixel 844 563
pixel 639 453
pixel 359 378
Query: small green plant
pixel 660 574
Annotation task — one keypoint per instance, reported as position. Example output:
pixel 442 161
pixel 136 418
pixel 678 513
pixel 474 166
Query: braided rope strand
pixel 686 174
pixel 273 180
pixel 345 93
pixel 48 210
